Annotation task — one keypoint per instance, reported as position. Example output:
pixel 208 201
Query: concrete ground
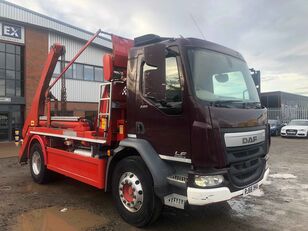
pixel 8 149
pixel 65 204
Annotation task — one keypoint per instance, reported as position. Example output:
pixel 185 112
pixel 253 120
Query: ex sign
pixel 11 32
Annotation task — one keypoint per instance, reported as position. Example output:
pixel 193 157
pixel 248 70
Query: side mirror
pixel 154 72
pixel 154 55
pixel 256 76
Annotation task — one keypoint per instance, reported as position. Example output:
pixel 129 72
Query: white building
pixel 25 38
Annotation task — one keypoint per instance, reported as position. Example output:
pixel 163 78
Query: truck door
pixel 162 115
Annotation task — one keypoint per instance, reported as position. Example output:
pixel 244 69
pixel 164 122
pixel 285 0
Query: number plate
pixel 250 189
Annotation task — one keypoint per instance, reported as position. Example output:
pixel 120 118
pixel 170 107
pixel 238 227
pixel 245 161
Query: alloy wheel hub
pixel 130 191
pixel 36 163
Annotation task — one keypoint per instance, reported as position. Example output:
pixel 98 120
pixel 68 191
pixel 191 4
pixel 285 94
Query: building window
pixel 88 72
pixel 11 70
pixel 69 73
pixel 98 74
pixel 81 72
pixel 78 71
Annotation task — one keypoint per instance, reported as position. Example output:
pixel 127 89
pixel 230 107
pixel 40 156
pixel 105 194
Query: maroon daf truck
pixel 195 118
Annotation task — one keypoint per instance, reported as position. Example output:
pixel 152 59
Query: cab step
pixel 175 200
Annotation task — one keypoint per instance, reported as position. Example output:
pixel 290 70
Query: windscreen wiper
pixel 224 103
pixel 256 105
pixel 232 103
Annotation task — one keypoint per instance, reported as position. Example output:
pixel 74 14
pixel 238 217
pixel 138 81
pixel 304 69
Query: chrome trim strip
pixel 236 139
pixel 173 158
pixel 69 137
pixel 60 118
pixel 178 179
pixel 132 136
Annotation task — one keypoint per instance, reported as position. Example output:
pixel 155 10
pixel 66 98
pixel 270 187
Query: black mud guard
pixel 158 168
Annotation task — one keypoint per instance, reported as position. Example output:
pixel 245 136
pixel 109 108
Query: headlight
pixel 208 181
pixel 283 130
pixel 302 130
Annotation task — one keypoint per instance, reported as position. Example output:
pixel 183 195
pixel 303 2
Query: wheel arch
pixel 158 168
pixel 41 141
pixel 118 154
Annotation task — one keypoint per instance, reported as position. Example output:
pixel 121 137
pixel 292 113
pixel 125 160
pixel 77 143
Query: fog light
pixel 208 181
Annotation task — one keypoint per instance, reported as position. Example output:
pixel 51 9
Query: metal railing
pixel 287 114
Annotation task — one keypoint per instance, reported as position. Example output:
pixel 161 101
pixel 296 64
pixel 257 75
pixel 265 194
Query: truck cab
pixel 196 104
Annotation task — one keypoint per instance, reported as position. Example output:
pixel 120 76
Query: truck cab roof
pixel 150 39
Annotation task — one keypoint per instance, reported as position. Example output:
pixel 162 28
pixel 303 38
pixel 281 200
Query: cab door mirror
pixel 154 72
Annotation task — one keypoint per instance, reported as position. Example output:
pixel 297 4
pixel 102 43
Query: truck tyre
pixel 40 174
pixel 133 192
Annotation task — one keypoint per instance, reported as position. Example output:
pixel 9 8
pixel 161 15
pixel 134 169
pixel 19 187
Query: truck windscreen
pixel 220 78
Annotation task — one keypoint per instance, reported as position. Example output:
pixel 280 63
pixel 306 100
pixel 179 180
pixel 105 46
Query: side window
pixel 173 85
pixel 172 102
pixel 145 67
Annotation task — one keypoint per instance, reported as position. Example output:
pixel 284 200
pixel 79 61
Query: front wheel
pixel 133 192
pixel 40 174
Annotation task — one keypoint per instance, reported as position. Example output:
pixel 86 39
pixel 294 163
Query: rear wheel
pixel 133 192
pixel 39 172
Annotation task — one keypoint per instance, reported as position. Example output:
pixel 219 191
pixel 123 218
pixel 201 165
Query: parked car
pixel 276 125
pixel 296 128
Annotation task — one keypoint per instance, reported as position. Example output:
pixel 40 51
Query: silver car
pixel 296 128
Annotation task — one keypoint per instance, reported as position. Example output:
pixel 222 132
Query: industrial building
pixel 25 39
pixel 285 106
pixel 280 99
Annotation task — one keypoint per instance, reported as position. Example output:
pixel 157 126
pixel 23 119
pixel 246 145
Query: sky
pixel 271 35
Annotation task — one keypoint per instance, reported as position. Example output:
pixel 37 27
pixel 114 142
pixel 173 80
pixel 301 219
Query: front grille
pixel 246 164
pixel 291 131
pixel 242 153
pixel 244 173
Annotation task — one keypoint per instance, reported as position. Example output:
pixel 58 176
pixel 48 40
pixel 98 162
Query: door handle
pixel 140 128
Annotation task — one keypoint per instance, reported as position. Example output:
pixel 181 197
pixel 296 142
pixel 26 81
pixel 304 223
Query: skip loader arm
pixel 42 97
pixel 38 102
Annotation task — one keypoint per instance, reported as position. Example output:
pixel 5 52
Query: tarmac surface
pixel 65 204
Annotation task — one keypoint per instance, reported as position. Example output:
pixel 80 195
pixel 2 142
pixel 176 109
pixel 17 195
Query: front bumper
pixel 197 196
pixel 298 134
